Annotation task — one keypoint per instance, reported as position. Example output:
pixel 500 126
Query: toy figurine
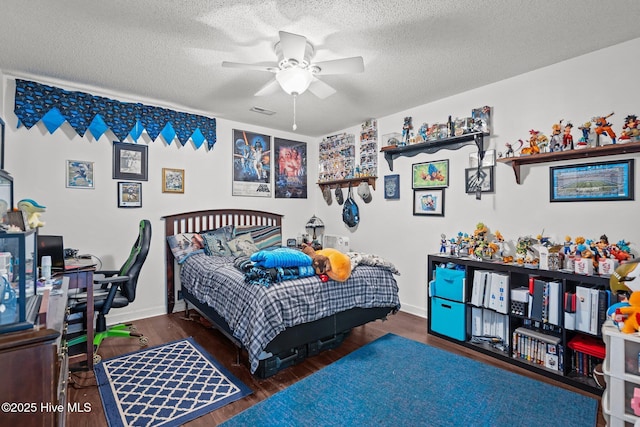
pixel 586 135
pixel 567 244
pixel 423 131
pixel 534 140
pixel 567 138
pixel 554 141
pixel 406 129
pixel 603 126
pixel 511 152
pixel 630 128
pixel 443 243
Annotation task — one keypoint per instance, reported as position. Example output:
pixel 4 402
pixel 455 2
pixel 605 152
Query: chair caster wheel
pixel 96 358
pixel 144 341
pixel 132 328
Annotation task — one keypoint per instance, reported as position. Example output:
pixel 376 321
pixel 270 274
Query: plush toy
pixel 329 262
pixel 632 322
pixel 33 210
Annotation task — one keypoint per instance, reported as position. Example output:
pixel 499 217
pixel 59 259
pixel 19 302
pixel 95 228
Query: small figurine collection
pixel 479 121
pixel 579 255
pixel 561 138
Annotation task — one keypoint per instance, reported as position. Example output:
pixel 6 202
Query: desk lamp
pixel 315 224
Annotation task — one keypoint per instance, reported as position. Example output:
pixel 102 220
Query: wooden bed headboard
pixel 199 221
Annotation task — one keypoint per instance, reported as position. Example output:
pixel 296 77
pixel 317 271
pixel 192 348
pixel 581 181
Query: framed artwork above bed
pixel 251 164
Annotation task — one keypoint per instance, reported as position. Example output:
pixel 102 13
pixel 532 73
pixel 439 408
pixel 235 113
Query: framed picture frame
pixel 130 161
pixel 79 174
pixel 18 219
pixel 290 169
pixel 599 181
pixel 172 180
pixel 430 174
pixel 392 187
pixel 129 194
pixel 428 202
pixel 479 178
pixel 489 159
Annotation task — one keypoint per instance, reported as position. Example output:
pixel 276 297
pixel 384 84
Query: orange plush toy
pixel 331 262
pixel 632 322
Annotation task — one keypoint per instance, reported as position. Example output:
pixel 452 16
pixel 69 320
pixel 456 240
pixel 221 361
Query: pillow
pixel 215 241
pixel 264 236
pixel 243 245
pixel 184 245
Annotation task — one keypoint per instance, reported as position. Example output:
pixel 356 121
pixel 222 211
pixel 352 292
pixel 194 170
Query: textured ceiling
pixel 414 52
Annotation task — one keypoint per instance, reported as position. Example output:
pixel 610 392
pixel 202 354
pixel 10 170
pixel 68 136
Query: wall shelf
pixel 354 182
pixel 455 142
pixel 605 150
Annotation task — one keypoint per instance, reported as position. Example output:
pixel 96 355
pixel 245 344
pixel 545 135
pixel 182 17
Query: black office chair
pixel 117 289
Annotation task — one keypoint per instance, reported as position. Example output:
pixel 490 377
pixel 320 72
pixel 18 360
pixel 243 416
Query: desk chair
pixel 117 289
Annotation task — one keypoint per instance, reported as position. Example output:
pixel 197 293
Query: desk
pixel 82 278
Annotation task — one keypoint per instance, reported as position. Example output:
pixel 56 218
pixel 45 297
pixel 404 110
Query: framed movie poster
pixel 290 169
pixel 251 164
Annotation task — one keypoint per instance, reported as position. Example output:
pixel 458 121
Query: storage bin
pixel 449 318
pixel 449 284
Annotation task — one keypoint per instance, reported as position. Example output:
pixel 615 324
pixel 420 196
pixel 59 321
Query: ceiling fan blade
pixel 269 89
pixel 341 66
pixel 293 46
pixel 321 89
pixel 257 67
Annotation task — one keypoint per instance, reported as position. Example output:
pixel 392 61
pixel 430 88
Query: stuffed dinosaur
pixel 33 210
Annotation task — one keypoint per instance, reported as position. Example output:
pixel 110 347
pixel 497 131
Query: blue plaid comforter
pixel 256 314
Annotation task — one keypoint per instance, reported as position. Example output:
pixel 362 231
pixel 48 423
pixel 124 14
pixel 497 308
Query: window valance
pixel 97 114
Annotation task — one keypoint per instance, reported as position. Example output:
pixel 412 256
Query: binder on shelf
pixel 499 293
pixel 554 314
pixel 583 309
pixel 487 290
pixel 537 300
pixel 477 327
pixel 478 289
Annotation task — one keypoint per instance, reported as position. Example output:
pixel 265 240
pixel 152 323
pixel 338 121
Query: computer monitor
pixel 52 246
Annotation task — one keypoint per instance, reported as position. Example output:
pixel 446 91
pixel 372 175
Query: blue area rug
pixel 395 381
pixel 166 385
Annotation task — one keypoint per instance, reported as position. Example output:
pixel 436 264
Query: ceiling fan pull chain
pixel 294 112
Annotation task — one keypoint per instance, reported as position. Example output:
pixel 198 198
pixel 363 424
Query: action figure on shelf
pixel 423 131
pixel 603 126
pixel 511 152
pixel 630 128
pixel 554 141
pixel 406 129
pixel 567 138
pixel 567 244
pixel 586 135
pixel 534 140
pixel 443 243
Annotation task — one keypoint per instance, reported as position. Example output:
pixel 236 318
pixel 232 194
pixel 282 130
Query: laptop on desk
pixel 53 246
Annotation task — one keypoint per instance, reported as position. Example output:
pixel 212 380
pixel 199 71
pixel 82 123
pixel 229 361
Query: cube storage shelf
pixel 551 347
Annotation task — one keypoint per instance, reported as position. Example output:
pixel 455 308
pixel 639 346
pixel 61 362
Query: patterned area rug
pixel 166 385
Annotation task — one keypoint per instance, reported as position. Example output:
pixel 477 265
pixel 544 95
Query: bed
pixel 281 324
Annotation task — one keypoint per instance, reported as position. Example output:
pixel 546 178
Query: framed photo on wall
pixel 129 195
pixel 479 178
pixel 79 174
pixel 392 186
pixel 428 202
pixel 172 180
pixel 592 182
pixel 130 161
pixel 431 174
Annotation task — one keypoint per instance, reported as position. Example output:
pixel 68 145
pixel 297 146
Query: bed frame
pixel 293 344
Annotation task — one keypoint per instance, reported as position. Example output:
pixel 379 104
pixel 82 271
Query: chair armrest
pixel 113 279
pixel 107 273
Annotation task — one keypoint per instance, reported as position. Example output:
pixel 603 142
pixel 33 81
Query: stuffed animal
pixel 331 262
pixel 33 210
pixel 632 322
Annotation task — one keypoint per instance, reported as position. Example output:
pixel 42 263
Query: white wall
pixel 575 90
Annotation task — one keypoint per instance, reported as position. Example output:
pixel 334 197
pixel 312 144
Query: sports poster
pixel 290 169
pixel 251 164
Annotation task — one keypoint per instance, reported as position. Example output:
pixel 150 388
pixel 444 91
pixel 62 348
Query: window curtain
pixel 85 112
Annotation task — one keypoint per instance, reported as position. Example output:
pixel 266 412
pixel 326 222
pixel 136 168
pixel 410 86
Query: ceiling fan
pixel 294 71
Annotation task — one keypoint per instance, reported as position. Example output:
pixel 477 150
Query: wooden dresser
pixel 34 366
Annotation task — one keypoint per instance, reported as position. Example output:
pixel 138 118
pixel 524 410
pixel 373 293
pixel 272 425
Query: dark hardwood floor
pixel 162 329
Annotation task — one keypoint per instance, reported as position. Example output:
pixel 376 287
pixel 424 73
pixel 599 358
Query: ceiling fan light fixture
pixel 294 80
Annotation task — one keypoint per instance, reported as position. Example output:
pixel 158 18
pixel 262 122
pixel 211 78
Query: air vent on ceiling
pixel 262 111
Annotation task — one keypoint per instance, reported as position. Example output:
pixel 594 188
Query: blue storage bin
pixel 449 318
pixel 449 284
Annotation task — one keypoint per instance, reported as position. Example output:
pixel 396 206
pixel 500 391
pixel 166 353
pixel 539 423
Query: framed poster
pixel 251 164
pixel 431 174
pixel 392 186
pixel 482 178
pixel 130 161
pixel 290 169
pixel 129 195
pixel 428 202
pixel 79 174
pixel 172 180
pixel 592 182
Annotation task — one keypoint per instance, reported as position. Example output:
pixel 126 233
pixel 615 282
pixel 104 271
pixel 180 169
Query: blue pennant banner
pixel 53 106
